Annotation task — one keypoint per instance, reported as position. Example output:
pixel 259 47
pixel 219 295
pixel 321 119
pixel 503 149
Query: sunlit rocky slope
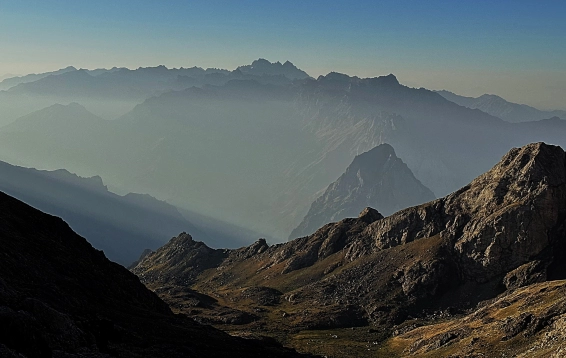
pixel 503 231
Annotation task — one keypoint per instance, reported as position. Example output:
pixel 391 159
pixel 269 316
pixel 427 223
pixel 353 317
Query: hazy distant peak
pixel 56 114
pixel 14 81
pixel 390 79
pixel 262 62
pixel 262 66
pixel 491 96
pixel 76 105
pixel 160 68
pixel 336 77
pixel 71 106
pixel 376 178
pixel 500 107
pixel 383 150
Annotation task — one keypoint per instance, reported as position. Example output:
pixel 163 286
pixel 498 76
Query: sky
pixel 515 49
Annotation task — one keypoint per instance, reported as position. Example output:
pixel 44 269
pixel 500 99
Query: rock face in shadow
pixel 59 297
pixel 506 228
pixel 377 179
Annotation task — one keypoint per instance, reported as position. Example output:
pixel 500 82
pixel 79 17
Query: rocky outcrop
pixel 501 220
pixel 377 179
pixel 183 259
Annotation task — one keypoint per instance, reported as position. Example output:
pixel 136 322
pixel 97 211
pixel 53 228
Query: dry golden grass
pixel 485 327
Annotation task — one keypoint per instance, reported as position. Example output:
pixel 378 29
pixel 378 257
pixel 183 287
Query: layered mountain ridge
pixel 499 107
pixel 282 143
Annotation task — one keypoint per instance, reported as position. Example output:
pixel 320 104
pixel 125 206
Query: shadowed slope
pixel 58 294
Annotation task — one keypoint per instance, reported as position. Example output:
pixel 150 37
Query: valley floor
pixel 526 322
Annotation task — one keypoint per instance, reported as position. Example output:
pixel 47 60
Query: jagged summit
pixel 337 77
pixel 262 66
pixel 389 80
pixel 378 179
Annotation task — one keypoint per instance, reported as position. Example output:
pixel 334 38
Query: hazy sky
pixel 516 49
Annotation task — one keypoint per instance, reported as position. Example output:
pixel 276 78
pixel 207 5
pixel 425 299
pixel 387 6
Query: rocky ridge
pixel 504 230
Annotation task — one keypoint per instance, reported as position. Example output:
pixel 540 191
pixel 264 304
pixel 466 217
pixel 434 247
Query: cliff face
pixel 501 220
pixel 377 179
pixel 505 229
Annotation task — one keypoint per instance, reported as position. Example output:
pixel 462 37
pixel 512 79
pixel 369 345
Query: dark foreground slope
pixel 504 230
pixel 59 297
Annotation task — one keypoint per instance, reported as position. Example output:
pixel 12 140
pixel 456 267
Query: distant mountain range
pixel 143 83
pixel 497 106
pixel 110 93
pixel 253 146
pixel 376 179
pixel 281 145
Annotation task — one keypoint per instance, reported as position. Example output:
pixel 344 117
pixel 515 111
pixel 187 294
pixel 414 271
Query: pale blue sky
pixel 512 48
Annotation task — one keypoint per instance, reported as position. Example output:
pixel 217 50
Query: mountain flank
pixel 377 179
pixel 504 230
pixel 59 297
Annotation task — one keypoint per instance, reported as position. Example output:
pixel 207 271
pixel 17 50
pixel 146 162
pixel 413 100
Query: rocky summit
pixel 377 179
pixel 61 298
pixel 504 231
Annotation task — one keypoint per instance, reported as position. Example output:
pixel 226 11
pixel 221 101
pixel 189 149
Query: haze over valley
pixel 298 179
pixel 255 146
